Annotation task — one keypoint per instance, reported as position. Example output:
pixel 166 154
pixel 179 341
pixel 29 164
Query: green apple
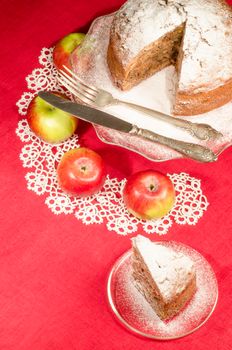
pixel 49 123
pixel 64 48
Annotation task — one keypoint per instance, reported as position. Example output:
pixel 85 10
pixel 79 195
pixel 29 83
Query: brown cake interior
pixel 150 60
pixel 147 286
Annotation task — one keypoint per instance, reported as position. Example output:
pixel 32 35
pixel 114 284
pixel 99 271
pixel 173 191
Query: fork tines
pixel 76 86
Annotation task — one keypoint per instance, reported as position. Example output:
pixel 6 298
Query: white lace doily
pixel 106 206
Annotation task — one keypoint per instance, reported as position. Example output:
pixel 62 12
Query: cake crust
pixel 187 103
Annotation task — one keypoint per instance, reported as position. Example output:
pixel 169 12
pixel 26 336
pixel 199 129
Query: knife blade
pixel 95 116
pixel 86 113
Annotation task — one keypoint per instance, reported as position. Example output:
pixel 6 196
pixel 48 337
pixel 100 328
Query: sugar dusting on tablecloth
pixel 136 311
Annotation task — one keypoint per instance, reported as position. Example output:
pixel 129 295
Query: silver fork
pixel 94 96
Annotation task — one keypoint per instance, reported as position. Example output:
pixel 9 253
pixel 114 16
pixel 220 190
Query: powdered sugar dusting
pixel 136 313
pixel 171 271
pixel 207 48
pixel 138 23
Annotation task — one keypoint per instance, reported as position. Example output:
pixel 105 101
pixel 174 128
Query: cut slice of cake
pixel 165 277
pixel 195 35
pixel 145 37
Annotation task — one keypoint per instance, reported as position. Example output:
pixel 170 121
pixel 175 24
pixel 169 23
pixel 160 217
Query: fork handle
pixel 201 131
pixel 190 150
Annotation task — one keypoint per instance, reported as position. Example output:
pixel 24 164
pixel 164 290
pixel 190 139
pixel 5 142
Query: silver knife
pixel 95 116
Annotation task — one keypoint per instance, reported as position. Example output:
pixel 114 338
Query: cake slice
pixel 166 278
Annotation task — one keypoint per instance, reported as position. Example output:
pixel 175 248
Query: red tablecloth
pixel 53 269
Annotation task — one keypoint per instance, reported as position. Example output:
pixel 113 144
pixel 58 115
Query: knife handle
pixel 190 150
pixel 198 130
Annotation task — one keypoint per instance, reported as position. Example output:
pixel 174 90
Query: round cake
pixel 194 35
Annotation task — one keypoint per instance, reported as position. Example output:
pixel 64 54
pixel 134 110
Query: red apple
pixel 49 123
pixel 81 172
pixel 149 194
pixel 64 48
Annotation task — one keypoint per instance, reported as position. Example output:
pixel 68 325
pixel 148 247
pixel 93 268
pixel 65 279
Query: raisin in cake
pixel 166 278
pixel 194 35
